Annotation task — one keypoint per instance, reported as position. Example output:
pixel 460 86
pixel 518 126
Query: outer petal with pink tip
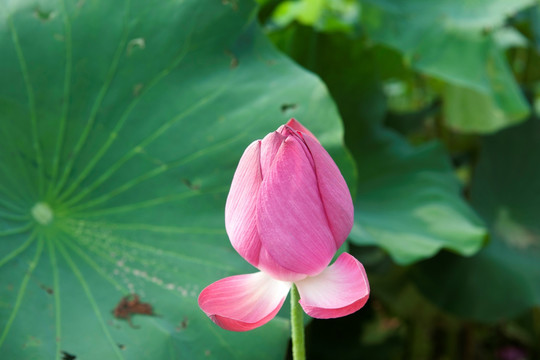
pixel 335 194
pixel 339 290
pixel 240 210
pixel 243 302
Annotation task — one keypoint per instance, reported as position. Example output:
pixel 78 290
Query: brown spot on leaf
pixel 130 305
pixel 47 289
pixel 183 324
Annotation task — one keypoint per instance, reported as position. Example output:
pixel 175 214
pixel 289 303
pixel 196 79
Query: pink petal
pixel 269 148
pixel 335 194
pixel 295 124
pixel 339 290
pixel 243 302
pixel 291 219
pixel 240 209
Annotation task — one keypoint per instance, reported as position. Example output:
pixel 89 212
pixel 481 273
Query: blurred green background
pixel 121 124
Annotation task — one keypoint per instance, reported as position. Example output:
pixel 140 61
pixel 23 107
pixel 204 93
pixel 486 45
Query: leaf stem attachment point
pixel 42 213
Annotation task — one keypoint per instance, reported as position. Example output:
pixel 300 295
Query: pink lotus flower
pixel 287 213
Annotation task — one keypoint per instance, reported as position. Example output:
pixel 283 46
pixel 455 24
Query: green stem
pixel 297 326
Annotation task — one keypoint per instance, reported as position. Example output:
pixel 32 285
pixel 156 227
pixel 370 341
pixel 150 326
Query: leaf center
pixel 42 213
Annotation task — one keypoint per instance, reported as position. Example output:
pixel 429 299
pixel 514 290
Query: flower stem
pixel 297 326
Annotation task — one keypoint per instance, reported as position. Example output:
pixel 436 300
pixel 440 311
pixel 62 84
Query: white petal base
pixel 339 290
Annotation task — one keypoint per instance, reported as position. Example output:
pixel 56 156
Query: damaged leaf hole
pixel 130 305
pixel 68 356
pixel 285 108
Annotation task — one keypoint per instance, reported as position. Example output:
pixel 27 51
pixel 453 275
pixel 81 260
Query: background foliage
pixel 121 124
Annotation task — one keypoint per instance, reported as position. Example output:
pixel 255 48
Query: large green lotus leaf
pixel 408 198
pixel 121 124
pixel 503 280
pixel 409 202
pixel 452 41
